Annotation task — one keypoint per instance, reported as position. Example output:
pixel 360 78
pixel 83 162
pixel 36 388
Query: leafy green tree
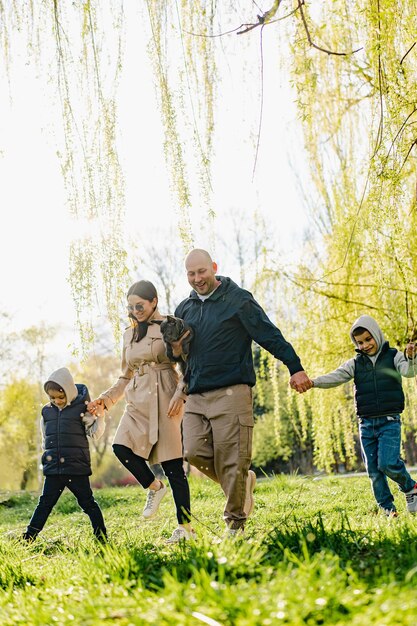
pixel 353 71
pixel 19 427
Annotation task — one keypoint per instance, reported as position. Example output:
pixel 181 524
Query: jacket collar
pixel 225 283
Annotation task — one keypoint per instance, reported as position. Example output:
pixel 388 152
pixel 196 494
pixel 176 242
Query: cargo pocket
pixel 245 435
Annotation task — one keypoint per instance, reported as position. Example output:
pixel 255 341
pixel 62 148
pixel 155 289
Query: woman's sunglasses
pixel 139 308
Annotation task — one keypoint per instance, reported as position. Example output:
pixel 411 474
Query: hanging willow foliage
pixel 78 48
pixel 187 85
pixel 90 162
pixel 354 72
pixel 358 113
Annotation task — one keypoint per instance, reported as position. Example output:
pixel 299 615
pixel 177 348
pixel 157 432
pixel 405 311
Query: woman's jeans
pixel 173 470
pixel 381 444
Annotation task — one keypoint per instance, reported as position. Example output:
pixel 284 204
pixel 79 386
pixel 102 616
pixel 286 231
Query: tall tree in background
pixel 352 65
pixel 19 428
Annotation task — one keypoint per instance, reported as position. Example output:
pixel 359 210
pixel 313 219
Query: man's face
pixel 366 343
pixel 201 274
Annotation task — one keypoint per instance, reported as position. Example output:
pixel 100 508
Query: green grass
pixel 314 552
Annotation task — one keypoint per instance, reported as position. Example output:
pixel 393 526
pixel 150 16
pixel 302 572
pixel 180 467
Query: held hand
pixel 300 382
pixel 175 407
pixel 96 407
pixel 177 345
pixel 88 419
pixel 411 350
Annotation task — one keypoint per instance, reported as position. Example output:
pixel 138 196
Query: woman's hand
pixel 96 407
pixel 175 407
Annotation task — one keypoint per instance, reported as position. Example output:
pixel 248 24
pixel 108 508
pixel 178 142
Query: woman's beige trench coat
pixel 148 380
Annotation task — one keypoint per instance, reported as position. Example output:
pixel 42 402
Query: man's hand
pixel 300 382
pixel 177 345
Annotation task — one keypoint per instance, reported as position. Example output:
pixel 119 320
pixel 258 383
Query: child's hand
pixel 411 350
pixel 88 419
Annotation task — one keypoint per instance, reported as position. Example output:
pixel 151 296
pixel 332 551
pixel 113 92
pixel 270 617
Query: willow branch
pixel 409 50
pixel 332 296
pixel 301 3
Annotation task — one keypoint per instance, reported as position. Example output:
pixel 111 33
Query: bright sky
pixel 37 228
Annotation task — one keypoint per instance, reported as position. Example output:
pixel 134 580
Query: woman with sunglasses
pixel 149 430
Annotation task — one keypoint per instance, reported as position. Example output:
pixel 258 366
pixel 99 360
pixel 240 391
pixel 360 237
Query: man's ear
pixel 214 266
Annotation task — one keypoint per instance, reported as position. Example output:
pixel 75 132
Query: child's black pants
pixel 52 489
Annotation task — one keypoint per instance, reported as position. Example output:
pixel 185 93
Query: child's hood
pixel 63 378
pixel 368 322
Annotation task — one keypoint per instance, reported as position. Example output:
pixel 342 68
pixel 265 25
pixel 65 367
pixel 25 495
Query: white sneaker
pixel 249 500
pixel 411 499
pixel 153 501
pixel 235 533
pixel 181 534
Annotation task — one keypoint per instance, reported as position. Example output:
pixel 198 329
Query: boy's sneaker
pixel 390 512
pixel 250 487
pixel 181 534
pixel 411 499
pixel 153 501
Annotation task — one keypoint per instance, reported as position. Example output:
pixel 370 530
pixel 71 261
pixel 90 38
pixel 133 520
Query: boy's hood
pixel 368 322
pixel 63 378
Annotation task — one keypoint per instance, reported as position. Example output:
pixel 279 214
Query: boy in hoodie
pixel 65 424
pixel 379 399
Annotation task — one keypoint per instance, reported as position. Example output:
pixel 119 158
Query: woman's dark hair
pixel 50 385
pixel 145 290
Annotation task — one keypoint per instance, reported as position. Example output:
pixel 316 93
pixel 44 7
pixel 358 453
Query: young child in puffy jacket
pixel 65 424
pixel 379 401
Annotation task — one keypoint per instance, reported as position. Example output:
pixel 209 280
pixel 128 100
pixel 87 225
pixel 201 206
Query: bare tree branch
pixel 301 3
pixel 409 50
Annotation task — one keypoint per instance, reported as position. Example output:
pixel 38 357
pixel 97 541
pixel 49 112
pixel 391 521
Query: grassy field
pixel 315 552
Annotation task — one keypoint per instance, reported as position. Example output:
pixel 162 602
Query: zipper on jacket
pixel 59 440
pixel 375 385
pixel 201 310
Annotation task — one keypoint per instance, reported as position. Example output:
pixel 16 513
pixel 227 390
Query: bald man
pixel 218 419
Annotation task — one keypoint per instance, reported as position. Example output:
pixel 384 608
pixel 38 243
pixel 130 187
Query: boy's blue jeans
pixel 381 444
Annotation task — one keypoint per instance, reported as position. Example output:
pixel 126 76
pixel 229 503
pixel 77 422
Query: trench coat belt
pixel 152 368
